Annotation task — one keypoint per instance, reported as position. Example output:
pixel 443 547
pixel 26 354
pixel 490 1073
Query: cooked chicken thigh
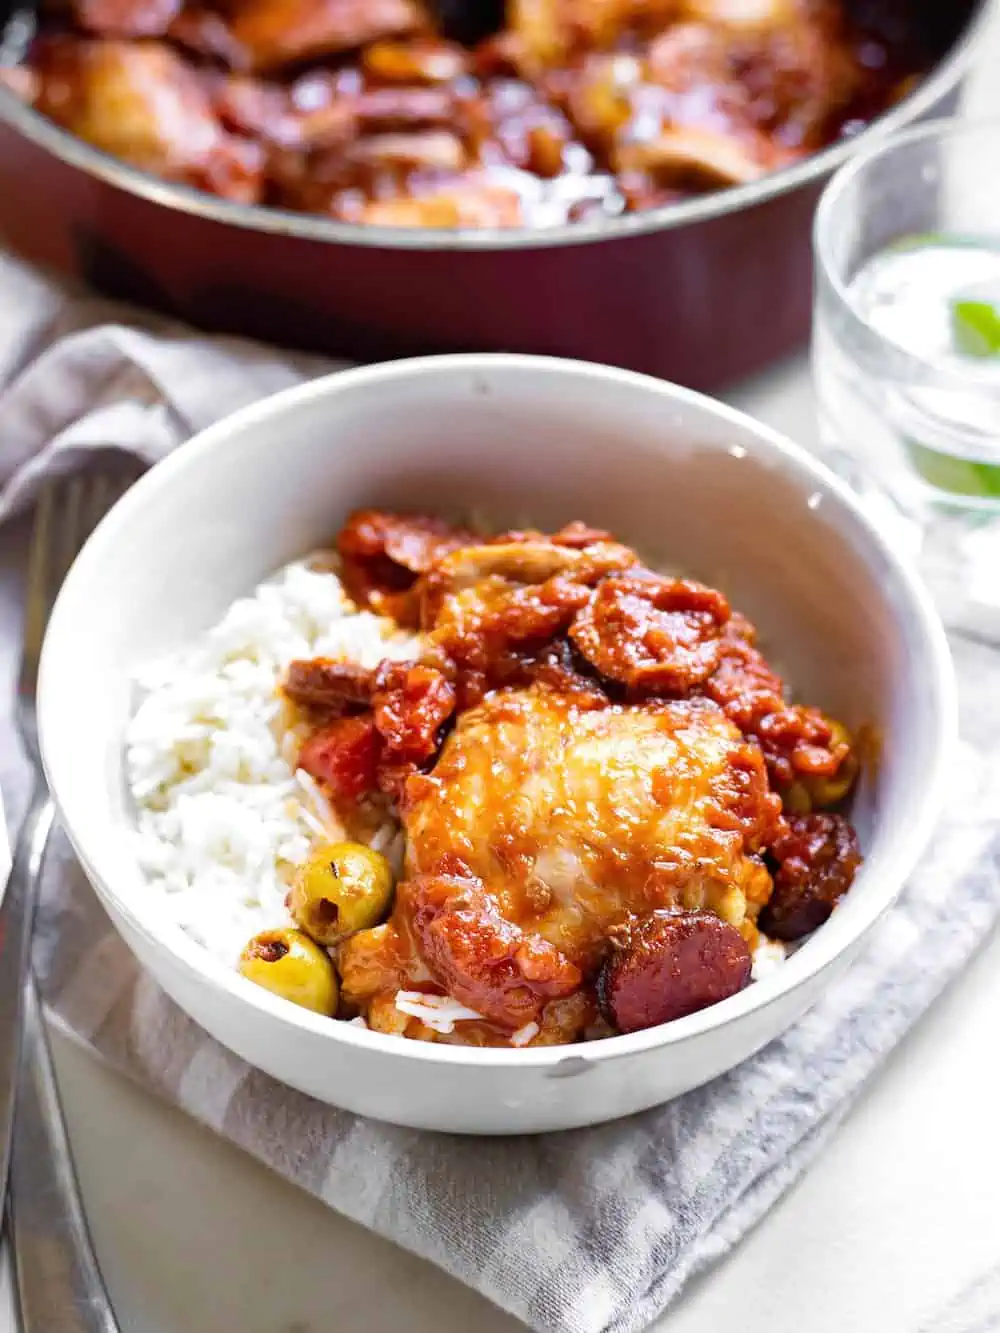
pixel 141 102
pixel 577 817
pixel 548 823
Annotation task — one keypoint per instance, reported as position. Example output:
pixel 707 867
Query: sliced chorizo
pixel 670 965
pixel 652 634
pixel 817 859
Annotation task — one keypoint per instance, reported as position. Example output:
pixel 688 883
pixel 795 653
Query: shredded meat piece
pixel 817 858
pixel 480 958
pixel 748 15
pixel 431 151
pixel 308 117
pixel 329 687
pixel 205 32
pixel 416 62
pixel 653 635
pixel 467 205
pixel 139 101
pixel 272 33
pixel 495 609
pixel 549 33
pixel 579 535
pixel 380 110
pixel 575 535
pixel 126 18
pixel 487 628
pixel 383 553
pixel 525 559
pixel 695 158
pixel 799 77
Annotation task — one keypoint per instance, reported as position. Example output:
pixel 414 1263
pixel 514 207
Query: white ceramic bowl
pixel 686 480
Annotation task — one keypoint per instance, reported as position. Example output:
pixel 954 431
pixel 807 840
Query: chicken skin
pixel 576 818
pixel 139 101
pixel 272 33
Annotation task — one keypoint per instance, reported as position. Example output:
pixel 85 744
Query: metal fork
pixel 67 512
pixel 57 1279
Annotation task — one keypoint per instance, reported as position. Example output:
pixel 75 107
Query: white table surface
pixel 896 1220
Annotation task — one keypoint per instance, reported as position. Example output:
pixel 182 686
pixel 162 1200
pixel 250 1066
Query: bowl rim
pixel 825 947
pixel 75 152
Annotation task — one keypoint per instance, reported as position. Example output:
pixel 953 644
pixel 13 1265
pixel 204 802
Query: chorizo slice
pixel 817 858
pixel 652 634
pixel 670 965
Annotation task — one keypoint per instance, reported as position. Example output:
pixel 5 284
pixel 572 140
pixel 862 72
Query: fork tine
pixel 107 486
pixel 37 585
pixel 100 496
pixel 67 512
pixel 69 519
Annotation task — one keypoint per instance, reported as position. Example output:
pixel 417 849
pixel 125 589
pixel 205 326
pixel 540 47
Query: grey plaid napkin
pixel 593 1231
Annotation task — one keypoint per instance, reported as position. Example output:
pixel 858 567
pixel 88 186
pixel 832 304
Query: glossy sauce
pixel 393 113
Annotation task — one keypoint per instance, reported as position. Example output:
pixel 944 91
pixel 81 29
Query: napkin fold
pixel 591 1231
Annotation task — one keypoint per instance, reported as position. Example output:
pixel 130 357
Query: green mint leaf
pixel 976 328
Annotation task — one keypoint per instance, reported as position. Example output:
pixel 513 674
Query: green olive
pixel 796 799
pixel 289 964
pixel 343 887
pixel 824 792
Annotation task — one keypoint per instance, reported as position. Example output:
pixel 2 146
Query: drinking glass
pixel 906 351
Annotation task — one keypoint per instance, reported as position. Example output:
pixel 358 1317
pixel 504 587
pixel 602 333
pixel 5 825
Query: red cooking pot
pixel 701 292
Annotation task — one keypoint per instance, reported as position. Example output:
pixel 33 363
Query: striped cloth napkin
pixel 593 1231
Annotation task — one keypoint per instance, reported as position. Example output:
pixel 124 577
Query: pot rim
pixel 77 153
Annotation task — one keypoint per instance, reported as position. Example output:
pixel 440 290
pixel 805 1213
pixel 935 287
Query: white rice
pixel 768 955
pixel 523 1035
pixel 439 1012
pixel 222 818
